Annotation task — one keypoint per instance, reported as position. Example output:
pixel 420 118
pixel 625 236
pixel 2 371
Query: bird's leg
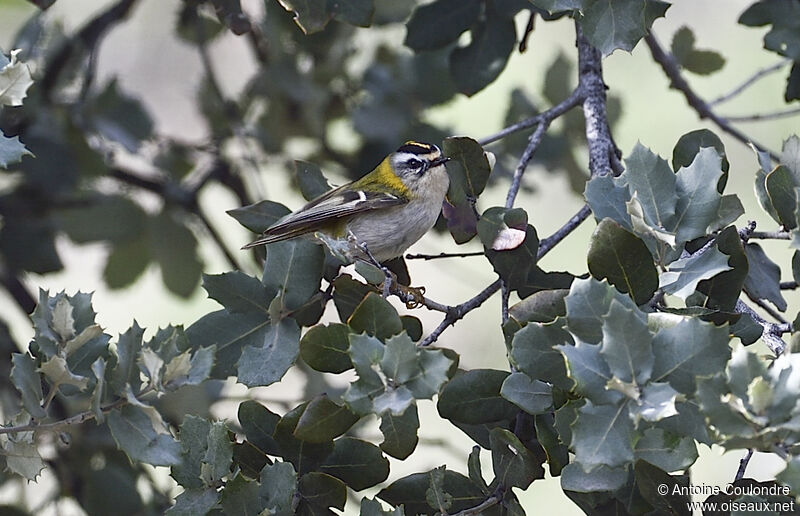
pixel 390 278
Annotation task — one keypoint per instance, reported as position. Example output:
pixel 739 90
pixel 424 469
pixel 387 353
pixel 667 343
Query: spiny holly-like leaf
pixel 656 402
pixel 782 37
pixel 11 150
pixel 216 462
pixel 608 196
pixel 591 373
pixel 650 177
pixel 613 24
pixel 278 486
pixel 627 344
pixel 22 454
pixel 134 433
pixel 690 349
pixel 411 491
pixel 268 360
pixel 193 436
pixel 194 501
pixel 293 269
pixel 602 478
pixel 698 196
pixel 28 383
pixel 668 452
pixel 532 396
pixel 58 372
pixel 439 23
pixel 685 273
pixel 238 292
pixel 602 436
pixel 15 79
pixel 622 258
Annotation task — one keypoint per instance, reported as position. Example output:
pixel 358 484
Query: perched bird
pixel 375 218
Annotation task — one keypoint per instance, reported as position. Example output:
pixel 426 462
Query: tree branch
pixel 765 116
pixel 456 313
pixel 672 71
pixel 743 465
pixel 750 81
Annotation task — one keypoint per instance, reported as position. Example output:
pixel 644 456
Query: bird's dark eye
pixel 414 163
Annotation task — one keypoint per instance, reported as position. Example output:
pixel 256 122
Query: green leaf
pixel 588 301
pixel 698 197
pixel 532 396
pixel 602 436
pixel 310 15
pixel 651 482
pixel 278 486
pixel 237 292
pixel 134 434
pixel 303 455
pixel 11 150
pixel 99 370
pixel 685 273
pixel 602 478
pixel 656 402
pixel 400 432
pixel 259 216
pixel 230 333
pixel 58 372
pixel 357 463
pixel 174 248
pixel 259 423
pixel 435 495
pixel 375 316
pixel 627 344
pixel 323 420
pixel 478 64
pixel 513 464
pixel 112 218
pixel 780 184
pixel 266 362
pixel 324 348
pixel 126 262
pixel 688 350
pixel 782 37
pixel 320 491
pixel 411 492
pixel 194 433
pixel 622 258
pixel 651 180
pixel 689 422
pixel 608 197
pixel 668 452
pixel 421 371
pixel 22 455
pixel 241 496
pixel 554 447
pixel 366 353
pixel 15 79
pixel 474 397
pixel 370 507
pixel 28 383
pixel 469 171
pixel 121 118
pixel 439 23
pixel 310 179
pixel 790 476
pixel 293 269
pixel 724 289
pixel 194 501
pixel 701 62
pixel 590 372
pixel 763 277
pixel 216 462
pixel 691 143
pixel 613 24
pixel 553 6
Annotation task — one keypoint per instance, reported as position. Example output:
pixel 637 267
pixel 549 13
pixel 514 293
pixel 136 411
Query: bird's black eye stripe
pixel 415 163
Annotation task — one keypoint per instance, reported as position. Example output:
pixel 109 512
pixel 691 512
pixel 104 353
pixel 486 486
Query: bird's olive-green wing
pixel 336 204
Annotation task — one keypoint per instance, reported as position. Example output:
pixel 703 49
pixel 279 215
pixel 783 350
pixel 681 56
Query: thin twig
pixel 544 120
pixel 546 244
pixel 55 425
pixel 789 285
pixel 750 81
pixel 478 509
pixel 764 306
pixel 760 117
pixel 743 462
pixel 776 235
pixel 456 313
pixel 505 293
pixel 672 70
pixel 771 333
pixel 427 257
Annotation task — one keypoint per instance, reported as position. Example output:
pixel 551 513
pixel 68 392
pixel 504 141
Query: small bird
pixel 375 218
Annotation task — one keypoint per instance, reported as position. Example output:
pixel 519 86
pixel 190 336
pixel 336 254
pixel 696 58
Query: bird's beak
pixel 439 161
